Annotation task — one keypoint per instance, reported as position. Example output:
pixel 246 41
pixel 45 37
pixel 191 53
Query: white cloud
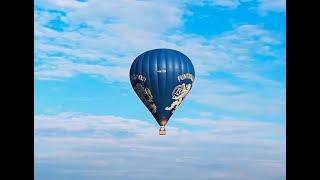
pixel 109 147
pixel 71 121
pixel 60 4
pixel 272 5
pixel 59 68
pixel 160 16
pixel 226 3
pixel 240 97
pixel 116 34
pixel 229 4
pixel 235 128
pixel 205 114
pixel 263 6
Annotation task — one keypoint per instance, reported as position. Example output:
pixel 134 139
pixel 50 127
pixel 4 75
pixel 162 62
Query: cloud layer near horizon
pixel 71 139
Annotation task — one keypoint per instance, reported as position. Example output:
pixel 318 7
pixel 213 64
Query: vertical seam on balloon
pixel 187 62
pixel 143 67
pixel 163 59
pixel 192 69
pixel 156 78
pixel 143 70
pixel 149 76
pixel 166 58
pixel 188 70
pixel 158 91
pixel 139 67
pixel 146 63
pixel 135 65
pixel 180 64
pixel 153 90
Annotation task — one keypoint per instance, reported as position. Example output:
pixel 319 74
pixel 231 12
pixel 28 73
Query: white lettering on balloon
pixel 138 77
pixel 185 76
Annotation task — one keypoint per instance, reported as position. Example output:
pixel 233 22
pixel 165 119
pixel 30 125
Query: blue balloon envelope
pixel 162 78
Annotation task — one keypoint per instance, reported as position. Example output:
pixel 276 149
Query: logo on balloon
pixel 178 94
pixel 185 76
pixel 138 77
pixel 162 71
pixel 146 97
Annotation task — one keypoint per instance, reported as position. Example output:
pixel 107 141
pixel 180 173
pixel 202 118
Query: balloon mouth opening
pixel 163 122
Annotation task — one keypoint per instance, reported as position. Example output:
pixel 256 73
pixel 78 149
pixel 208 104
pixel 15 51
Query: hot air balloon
pixel 162 78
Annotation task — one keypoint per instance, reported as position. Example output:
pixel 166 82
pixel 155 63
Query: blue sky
pixel 89 124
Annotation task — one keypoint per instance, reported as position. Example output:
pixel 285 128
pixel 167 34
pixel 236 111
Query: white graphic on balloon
pixel 178 94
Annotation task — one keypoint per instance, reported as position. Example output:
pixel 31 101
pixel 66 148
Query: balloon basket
pixel 162 131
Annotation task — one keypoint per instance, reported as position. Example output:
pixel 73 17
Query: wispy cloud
pixel 239 98
pixel 109 146
pixel 104 32
pixel 117 37
pixel 226 3
pixel 60 68
pixel 266 6
pixel 61 4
